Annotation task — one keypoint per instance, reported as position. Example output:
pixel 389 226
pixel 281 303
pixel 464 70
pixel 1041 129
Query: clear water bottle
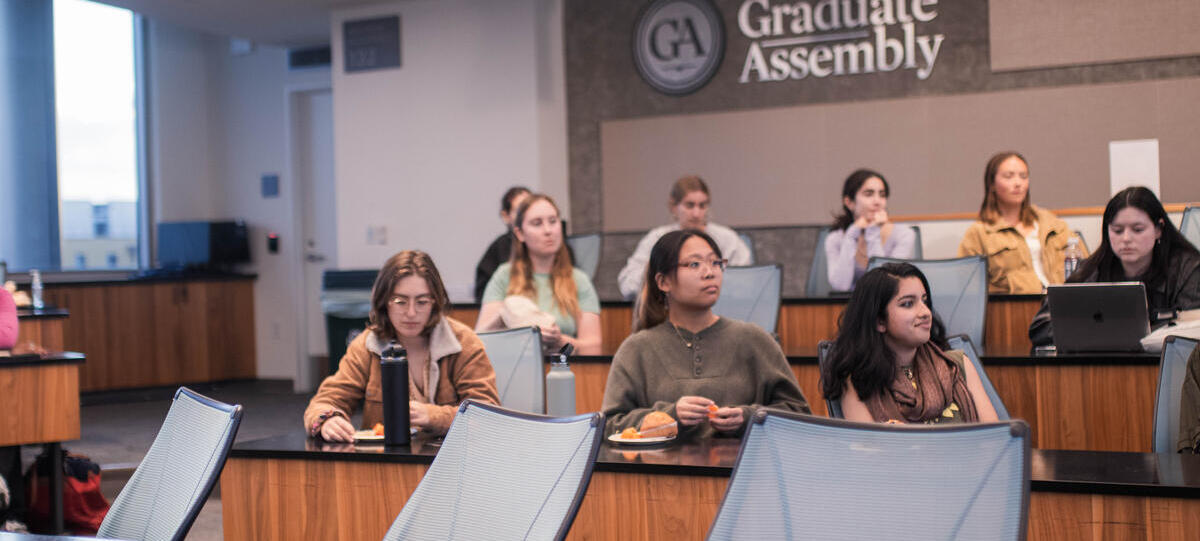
pixel 35 285
pixel 560 386
pixel 1071 259
pixel 394 367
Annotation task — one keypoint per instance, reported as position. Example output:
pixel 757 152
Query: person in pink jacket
pixel 8 320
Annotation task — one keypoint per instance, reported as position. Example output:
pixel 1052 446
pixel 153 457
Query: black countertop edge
pixel 1101 359
pixel 832 299
pixel 347 456
pixel 138 280
pixel 1114 489
pixel 44 313
pixel 60 357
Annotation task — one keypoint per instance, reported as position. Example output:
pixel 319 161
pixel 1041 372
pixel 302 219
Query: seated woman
pixel 688 204
pixel 1189 407
pixel 684 359
pixel 862 230
pixel 1138 243
pixel 500 250
pixel 889 363
pixel 446 361
pixel 540 270
pixel 1024 244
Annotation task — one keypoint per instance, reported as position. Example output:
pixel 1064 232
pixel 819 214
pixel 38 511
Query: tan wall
pixel 786 165
pixel 1039 33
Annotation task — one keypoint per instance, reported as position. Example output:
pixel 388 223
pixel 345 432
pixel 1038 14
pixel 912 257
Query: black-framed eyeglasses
pixel 697 266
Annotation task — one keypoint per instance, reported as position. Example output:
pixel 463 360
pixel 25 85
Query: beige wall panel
pixel 1029 34
pixel 786 165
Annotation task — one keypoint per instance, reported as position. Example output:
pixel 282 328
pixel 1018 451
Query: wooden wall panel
pixel 43 331
pixel 802 326
pixel 809 378
pixel 1006 324
pixel 616 324
pixel 40 403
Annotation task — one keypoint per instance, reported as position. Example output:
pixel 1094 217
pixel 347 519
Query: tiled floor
pixel 117 429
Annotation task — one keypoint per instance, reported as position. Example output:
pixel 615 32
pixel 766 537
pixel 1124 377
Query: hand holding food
pixel 692 410
pixel 712 411
pixel 726 419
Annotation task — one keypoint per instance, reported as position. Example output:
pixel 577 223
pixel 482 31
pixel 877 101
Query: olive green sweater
pixel 732 363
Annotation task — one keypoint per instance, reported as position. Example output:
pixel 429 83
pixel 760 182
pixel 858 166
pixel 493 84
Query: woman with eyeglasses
pixel 707 372
pixel 889 362
pixel 446 360
pixel 540 270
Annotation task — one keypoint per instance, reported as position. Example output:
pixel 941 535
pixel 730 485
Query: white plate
pixel 616 438
pixel 368 435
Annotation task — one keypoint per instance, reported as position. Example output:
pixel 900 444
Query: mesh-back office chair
pixel 502 474
pixel 749 242
pixel 818 273
pixel 1190 225
pixel 805 477
pixel 958 291
pixel 963 342
pixel 586 249
pixel 169 487
pixel 751 294
pixel 516 356
pixel 1172 368
pixel 834 407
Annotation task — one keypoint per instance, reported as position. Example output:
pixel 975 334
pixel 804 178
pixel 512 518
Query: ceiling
pixel 285 23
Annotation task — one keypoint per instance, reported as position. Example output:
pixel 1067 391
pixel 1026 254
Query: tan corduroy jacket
pixel 1009 263
pixel 461 371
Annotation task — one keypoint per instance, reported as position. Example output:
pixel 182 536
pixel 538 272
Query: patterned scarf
pixel 936 383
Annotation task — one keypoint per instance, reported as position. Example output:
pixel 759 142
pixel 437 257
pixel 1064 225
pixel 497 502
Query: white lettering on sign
pixel 837 37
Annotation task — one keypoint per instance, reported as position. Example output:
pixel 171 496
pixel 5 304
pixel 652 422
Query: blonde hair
pixel 562 274
pixel 989 210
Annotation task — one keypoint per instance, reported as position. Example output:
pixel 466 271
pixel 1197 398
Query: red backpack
pixel 84 506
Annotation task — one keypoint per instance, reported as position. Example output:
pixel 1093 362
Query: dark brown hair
pixel 850 189
pixel 396 268
pixel 989 210
pixel 664 259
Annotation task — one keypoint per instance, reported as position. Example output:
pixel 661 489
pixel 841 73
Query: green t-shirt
pixel 497 289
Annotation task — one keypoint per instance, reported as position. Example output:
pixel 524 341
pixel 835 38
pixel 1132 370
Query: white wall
pixel 427 150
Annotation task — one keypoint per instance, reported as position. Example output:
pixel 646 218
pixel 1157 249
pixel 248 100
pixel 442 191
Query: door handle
pixel 313 257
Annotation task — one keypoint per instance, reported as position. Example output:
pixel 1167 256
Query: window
pixel 96 108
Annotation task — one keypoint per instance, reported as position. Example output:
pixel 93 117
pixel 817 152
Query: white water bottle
pixel 35 286
pixel 560 386
pixel 1071 259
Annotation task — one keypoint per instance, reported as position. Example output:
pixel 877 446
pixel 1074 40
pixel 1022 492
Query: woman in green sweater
pixel 683 359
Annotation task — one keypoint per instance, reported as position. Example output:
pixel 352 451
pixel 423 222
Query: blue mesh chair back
pixel 1190 225
pixel 1172 368
pixel 751 294
pixel 805 477
pixel 818 273
pixel 170 486
pixel 516 356
pixel 959 291
pixel 834 407
pixel 918 249
pixel 749 242
pixel 587 252
pixel 502 474
pixel 963 342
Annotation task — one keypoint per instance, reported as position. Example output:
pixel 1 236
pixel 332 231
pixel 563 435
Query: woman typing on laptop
pixel 1139 243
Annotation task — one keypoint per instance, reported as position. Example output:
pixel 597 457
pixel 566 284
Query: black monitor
pixel 213 246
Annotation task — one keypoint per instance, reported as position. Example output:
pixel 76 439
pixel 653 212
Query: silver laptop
pixel 1104 316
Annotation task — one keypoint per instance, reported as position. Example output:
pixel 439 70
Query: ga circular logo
pixel 678 44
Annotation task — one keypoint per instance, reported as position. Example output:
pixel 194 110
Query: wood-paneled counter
pixel 803 322
pixel 1097 402
pixel 43 327
pixel 141 333
pixel 39 395
pixel 292 487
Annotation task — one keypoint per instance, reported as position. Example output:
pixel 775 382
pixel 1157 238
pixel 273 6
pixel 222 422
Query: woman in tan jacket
pixel 446 360
pixel 1024 245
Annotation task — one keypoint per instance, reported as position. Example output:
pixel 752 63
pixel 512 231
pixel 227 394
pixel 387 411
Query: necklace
pixel 908 372
pixel 681 338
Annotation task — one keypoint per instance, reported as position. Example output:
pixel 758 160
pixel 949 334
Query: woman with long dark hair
pixel 1024 244
pixel 889 362
pixel 1138 243
pixel 863 231
pixel 707 372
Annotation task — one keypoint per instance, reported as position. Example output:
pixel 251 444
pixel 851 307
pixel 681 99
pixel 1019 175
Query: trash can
pixel 346 303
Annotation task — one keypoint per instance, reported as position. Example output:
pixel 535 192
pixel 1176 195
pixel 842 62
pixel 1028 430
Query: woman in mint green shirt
pixel 540 270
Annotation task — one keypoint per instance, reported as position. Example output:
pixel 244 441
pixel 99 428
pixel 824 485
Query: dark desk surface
pixel 33 359
pixel 808 356
pixel 1093 472
pixel 47 312
pixel 4 536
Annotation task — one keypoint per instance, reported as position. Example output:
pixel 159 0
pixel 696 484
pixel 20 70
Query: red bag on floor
pixel 84 506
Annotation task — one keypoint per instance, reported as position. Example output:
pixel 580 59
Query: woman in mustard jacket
pixel 1024 244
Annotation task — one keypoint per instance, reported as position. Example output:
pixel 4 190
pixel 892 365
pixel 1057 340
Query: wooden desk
pixel 291 487
pixel 803 322
pixel 1096 402
pixel 39 396
pixel 42 327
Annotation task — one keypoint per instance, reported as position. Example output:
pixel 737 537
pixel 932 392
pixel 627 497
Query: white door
pixel 313 157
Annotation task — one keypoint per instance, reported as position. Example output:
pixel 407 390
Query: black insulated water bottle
pixel 394 365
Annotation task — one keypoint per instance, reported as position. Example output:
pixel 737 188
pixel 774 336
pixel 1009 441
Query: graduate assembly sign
pixel 679 44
